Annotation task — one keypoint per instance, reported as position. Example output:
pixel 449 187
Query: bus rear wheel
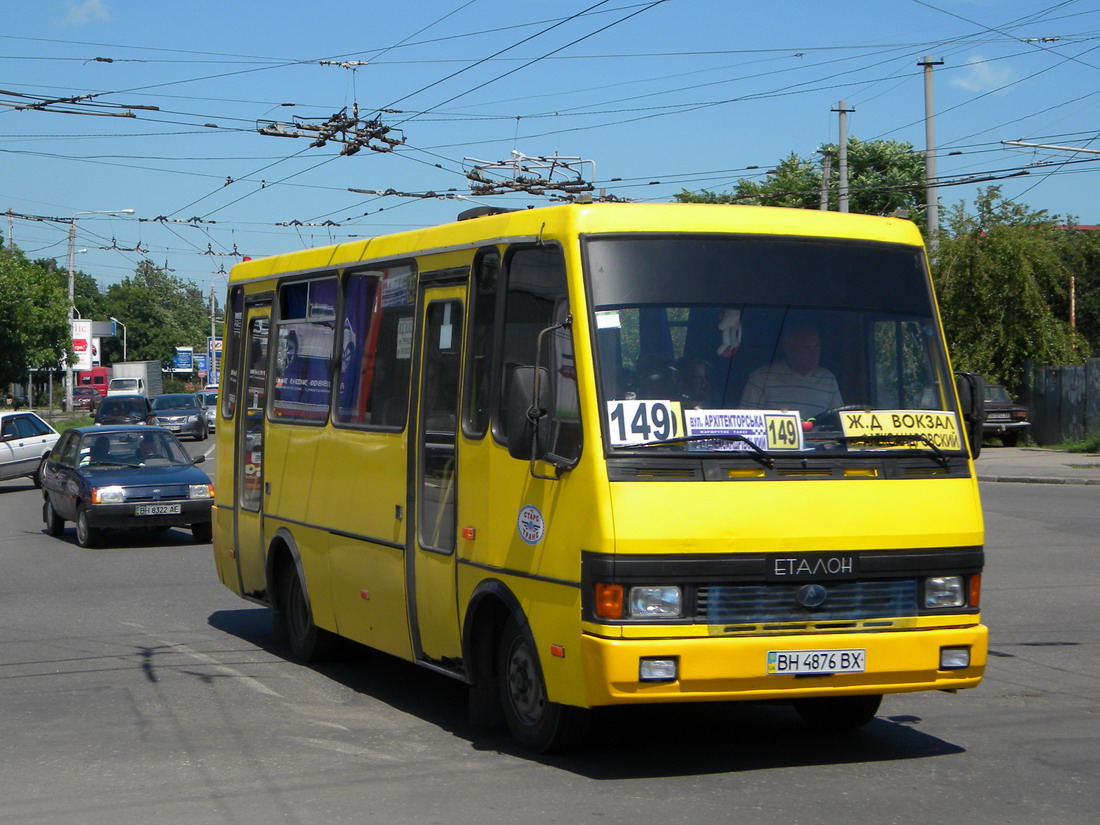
pixel 308 643
pixel 534 721
pixel 837 713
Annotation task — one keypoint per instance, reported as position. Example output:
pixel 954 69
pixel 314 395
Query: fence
pixel 1065 402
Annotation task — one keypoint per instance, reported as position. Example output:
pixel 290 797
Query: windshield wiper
pixel 757 454
pixel 939 455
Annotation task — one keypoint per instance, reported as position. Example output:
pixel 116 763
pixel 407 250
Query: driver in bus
pixel 798 382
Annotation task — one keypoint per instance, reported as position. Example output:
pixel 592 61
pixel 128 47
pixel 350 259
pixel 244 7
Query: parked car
pixel 124 409
pixel 84 398
pixel 25 442
pixel 210 398
pixel 124 477
pixel 1004 417
pixel 184 413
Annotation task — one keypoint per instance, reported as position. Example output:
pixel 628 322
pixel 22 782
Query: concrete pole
pixel 931 191
pixel 826 172
pixel 842 185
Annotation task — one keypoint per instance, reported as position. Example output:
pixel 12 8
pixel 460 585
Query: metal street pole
pixel 932 193
pixel 72 291
pixel 113 318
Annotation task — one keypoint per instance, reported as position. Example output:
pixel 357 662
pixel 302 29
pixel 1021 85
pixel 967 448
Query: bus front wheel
pixel 308 643
pixel 534 721
pixel 837 713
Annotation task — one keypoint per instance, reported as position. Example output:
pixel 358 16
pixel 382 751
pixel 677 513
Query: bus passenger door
pixel 248 449
pixel 434 488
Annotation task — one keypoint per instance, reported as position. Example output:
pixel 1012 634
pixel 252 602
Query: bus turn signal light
pixel 976 590
pixel 609 600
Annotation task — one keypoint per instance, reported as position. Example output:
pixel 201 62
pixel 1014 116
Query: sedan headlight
pixel 944 591
pixel 200 491
pixel 657 602
pixel 108 495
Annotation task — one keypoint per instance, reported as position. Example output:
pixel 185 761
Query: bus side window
pixel 377 348
pixel 479 355
pixel 538 298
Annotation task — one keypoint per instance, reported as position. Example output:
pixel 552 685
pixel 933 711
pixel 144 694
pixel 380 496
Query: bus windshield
pixel 763 344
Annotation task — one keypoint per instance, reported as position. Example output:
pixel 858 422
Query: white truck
pixel 136 378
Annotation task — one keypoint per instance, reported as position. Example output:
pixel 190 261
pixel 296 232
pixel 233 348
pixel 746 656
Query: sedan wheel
pixel 86 535
pixel 54 523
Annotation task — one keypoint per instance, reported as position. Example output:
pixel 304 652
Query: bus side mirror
pixel 971 387
pixel 523 413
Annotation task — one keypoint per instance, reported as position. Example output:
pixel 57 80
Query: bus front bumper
pixel 720 669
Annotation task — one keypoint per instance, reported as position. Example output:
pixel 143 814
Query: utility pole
pixel 72 276
pixel 931 191
pixel 211 369
pixel 842 185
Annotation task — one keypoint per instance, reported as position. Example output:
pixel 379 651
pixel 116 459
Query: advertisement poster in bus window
pixel 303 384
pixel 356 366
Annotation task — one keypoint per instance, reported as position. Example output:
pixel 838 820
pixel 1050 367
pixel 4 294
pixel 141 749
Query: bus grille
pixel 846 601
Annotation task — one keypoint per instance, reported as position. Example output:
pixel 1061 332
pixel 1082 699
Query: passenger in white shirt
pixel 798 382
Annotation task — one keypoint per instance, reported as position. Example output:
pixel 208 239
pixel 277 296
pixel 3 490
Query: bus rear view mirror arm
pixel 526 407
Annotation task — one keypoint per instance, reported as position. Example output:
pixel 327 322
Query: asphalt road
pixel 135 689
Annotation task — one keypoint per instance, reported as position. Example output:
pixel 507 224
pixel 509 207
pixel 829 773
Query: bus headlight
pixel 944 591
pixel 663 602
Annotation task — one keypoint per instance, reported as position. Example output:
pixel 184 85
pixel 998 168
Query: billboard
pixel 184 360
pixel 82 344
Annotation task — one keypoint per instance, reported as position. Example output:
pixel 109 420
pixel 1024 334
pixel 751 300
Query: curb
pixel 1037 480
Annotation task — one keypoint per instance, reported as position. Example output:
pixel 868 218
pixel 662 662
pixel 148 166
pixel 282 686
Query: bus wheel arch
pixel 506 675
pixel 288 593
pixel 489 608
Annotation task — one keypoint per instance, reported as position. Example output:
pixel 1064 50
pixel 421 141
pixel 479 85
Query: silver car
pixel 210 398
pixel 25 442
pixel 183 413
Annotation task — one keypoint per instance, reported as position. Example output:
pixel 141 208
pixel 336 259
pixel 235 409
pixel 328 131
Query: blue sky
pixel 658 96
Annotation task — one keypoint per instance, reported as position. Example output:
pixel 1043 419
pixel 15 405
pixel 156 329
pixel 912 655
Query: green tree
pixel 87 298
pixel 1079 248
pixel 34 318
pixel 993 271
pixel 160 312
pixel 883 176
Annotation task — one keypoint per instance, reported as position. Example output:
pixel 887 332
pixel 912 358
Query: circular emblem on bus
pixel 530 525
pixel 811 595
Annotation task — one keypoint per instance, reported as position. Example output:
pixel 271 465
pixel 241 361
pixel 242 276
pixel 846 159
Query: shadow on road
pixel 624 742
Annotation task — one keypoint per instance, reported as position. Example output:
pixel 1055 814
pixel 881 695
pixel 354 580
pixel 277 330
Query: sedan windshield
pixel 767 345
pixel 132 447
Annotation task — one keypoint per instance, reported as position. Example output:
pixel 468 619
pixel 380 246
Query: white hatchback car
pixel 25 442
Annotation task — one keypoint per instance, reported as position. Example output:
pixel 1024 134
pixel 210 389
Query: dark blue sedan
pixel 126 477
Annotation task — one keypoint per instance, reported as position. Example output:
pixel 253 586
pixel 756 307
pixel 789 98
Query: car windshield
pixel 997 394
pixel 132 448
pixel 750 344
pixel 126 406
pixel 174 402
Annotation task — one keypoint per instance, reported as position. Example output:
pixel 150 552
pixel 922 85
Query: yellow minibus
pixel 610 454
